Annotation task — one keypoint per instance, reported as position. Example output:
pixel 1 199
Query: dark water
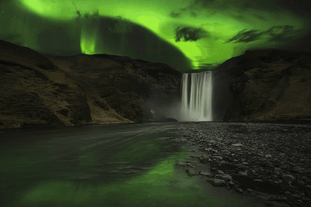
pixel 103 165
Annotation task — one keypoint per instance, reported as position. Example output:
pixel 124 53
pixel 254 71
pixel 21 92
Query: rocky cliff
pixel 266 85
pixel 38 89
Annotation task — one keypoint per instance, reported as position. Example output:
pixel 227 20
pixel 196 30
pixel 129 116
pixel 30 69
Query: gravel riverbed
pixel 268 160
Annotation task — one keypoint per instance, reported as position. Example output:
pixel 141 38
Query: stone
pixel 239 190
pixel 220 172
pixel 288 177
pixel 243 173
pixel 224 177
pixel 237 145
pixel 211 150
pixel 205 174
pixel 217 182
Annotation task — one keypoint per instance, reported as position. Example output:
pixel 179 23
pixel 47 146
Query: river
pixel 103 165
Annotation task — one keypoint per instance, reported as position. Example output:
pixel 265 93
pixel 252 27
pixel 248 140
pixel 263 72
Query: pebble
pixel 239 190
pixel 289 177
pixel 205 174
pixel 237 145
pixel 242 173
pixel 220 172
pixel 218 157
pixel 211 150
pixel 258 156
pixel 225 177
pixel 216 182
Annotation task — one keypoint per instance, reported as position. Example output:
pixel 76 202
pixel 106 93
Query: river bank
pixel 270 161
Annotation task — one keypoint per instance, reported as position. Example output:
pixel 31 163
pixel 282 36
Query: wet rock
pixel 211 150
pixel 217 157
pixel 205 174
pixel 239 190
pixel 220 172
pixel 224 177
pixel 288 177
pixel 243 173
pixel 286 170
pixel 216 182
pixel 237 145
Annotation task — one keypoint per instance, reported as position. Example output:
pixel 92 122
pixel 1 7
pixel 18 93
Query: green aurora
pixel 188 34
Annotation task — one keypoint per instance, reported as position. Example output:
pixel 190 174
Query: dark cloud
pixel 240 6
pixel 206 66
pixel 175 14
pixel 193 14
pixel 87 15
pixel 79 14
pixel 282 33
pixel 246 36
pixel 223 5
pixel 276 33
pixel 189 34
pixel 201 4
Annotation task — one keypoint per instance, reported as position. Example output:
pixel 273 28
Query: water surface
pixel 103 165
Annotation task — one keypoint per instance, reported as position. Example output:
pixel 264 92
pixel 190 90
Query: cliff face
pixel 156 85
pixel 82 89
pixel 269 85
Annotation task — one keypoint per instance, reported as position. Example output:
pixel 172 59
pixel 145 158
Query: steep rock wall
pixel 268 85
pixel 38 89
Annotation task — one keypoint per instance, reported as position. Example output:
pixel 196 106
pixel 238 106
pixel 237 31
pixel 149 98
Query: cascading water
pixel 197 97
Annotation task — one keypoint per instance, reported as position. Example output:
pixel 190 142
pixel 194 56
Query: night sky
pixel 186 34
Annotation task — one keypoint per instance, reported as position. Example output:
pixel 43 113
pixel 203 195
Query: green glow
pixel 151 188
pixel 87 43
pixel 219 24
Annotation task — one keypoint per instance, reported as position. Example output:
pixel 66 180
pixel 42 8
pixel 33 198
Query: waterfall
pixel 197 97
